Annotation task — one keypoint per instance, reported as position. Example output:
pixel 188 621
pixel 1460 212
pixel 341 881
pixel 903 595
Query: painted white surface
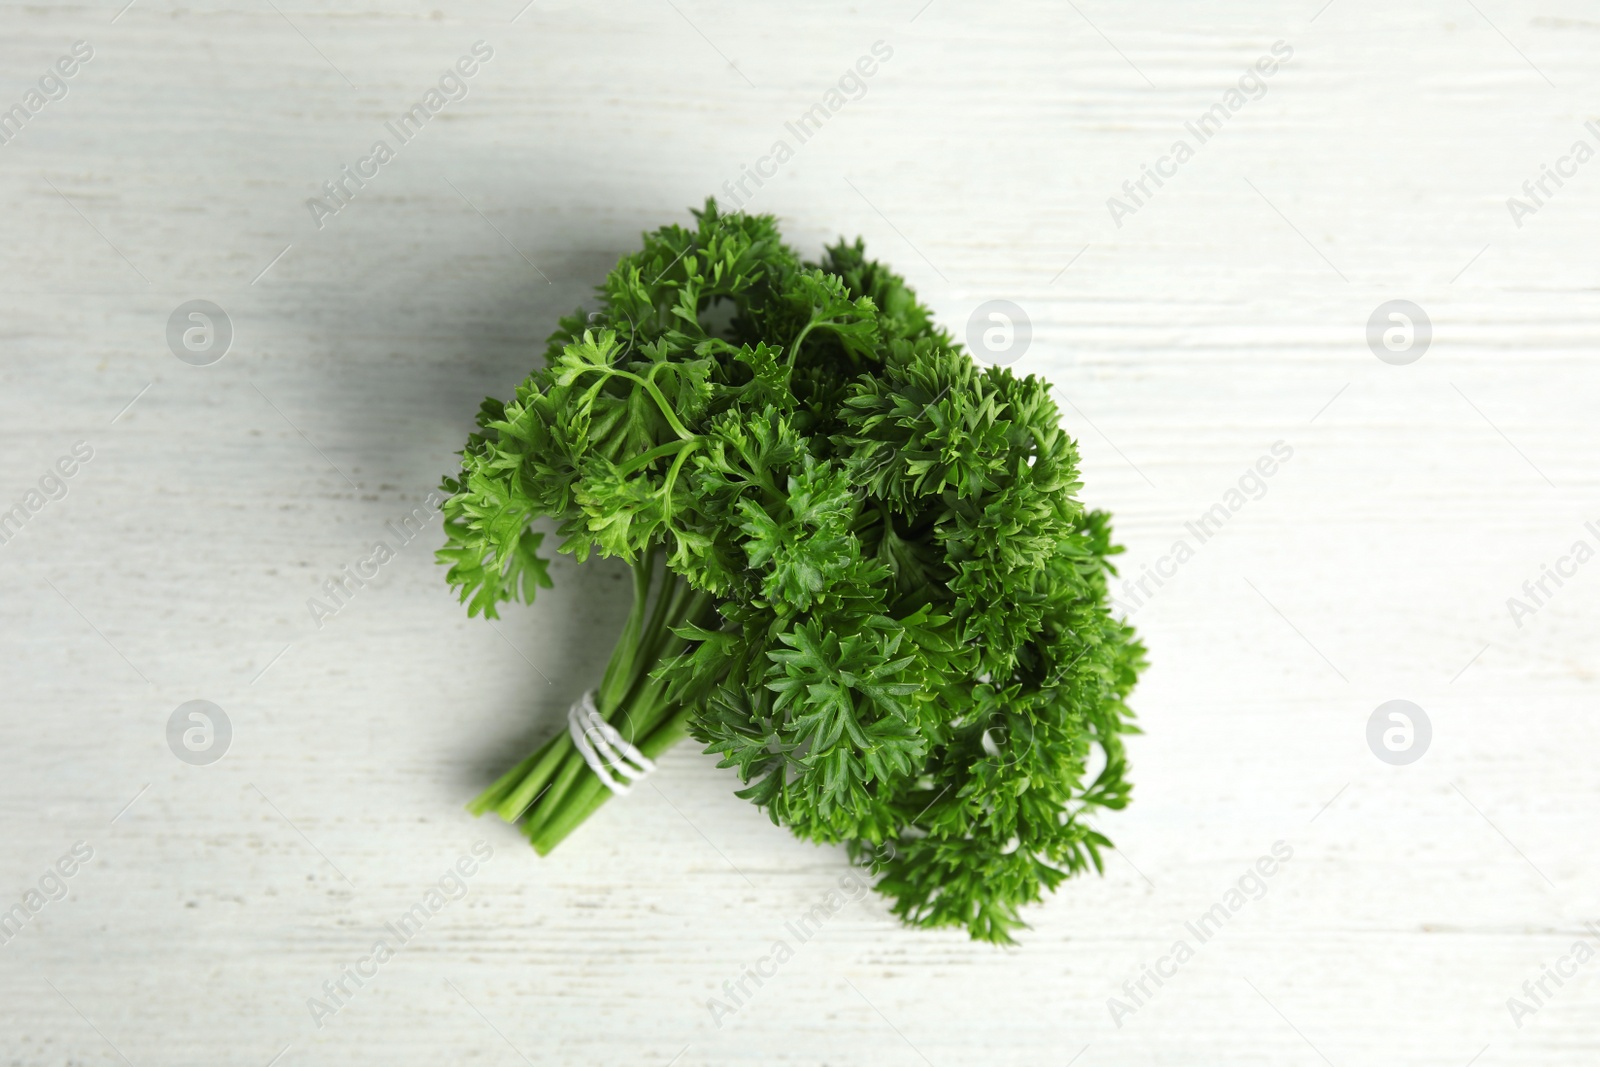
pixel 1226 314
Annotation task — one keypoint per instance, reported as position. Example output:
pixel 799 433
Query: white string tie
pixel 616 762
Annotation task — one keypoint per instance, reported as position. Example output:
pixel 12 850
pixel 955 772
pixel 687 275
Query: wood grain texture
pixel 1228 312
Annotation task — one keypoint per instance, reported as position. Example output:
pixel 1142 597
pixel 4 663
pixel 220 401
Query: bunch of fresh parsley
pixel 861 574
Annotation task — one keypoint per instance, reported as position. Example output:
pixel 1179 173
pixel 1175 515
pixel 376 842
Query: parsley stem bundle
pixel 861 573
pixel 553 790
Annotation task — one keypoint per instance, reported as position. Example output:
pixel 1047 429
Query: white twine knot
pixel 616 762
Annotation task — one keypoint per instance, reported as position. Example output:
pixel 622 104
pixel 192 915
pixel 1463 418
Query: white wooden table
pixel 1226 313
